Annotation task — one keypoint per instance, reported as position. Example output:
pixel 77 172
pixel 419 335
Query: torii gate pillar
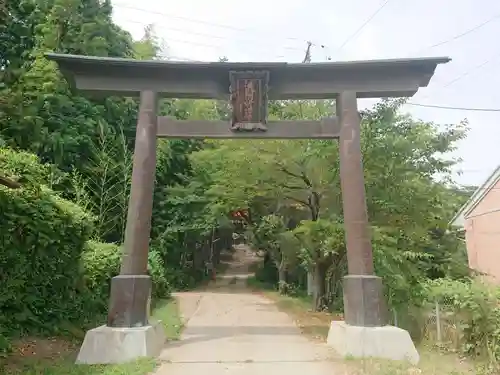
pixel 363 298
pixel 364 331
pixel 131 290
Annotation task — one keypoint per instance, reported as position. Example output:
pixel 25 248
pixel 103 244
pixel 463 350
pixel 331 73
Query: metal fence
pixel 437 323
pixel 443 326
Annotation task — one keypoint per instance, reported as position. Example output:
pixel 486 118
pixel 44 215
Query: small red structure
pixel 240 214
pixel 240 218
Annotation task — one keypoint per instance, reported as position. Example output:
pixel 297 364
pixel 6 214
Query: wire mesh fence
pixel 443 325
pixel 436 323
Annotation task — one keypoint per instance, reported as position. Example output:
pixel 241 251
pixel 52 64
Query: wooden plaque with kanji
pixel 249 100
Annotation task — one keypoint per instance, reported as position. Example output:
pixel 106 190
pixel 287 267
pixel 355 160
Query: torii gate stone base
pixel 128 333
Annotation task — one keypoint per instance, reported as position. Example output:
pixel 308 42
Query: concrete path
pixel 230 330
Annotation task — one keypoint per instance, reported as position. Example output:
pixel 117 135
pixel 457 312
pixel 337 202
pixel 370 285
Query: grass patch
pixel 66 366
pixel 432 362
pixel 257 285
pixel 316 326
pixel 56 356
pixel 167 311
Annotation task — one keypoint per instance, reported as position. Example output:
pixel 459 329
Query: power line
pixel 215 47
pixel 466 73
pixel 463 75
pixel 207 36
pixel 455 80
pixel 195 43
pixel 467 32
pixel 323 46
pixel 183 18
pixel 363 25
pixel 308 57
pixel 455 108
pixel 193 20
pixel 460 77
pixel 309 44
pixel 222 26
pixel 453 38
pixel 207 45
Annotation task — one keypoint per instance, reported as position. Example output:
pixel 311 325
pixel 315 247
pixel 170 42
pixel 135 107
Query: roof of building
pixel 476 198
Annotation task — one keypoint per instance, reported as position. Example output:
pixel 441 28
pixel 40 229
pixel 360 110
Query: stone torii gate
pixel 128 333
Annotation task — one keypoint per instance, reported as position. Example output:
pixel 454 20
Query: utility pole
pixel 307 57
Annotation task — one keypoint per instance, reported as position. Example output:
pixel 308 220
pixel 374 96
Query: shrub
pixel 267 272
pixel 180 279
pixel 156 268
pixel 23 167
pixel 476 308
pixel 42 238
pixel 101 262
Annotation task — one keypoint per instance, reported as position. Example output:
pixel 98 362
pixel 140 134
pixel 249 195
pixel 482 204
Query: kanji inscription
pixel 249 100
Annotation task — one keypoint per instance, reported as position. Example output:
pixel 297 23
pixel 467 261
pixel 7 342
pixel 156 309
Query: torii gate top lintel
pixel 210 80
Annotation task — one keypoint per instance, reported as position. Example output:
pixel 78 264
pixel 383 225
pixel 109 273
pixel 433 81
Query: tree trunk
pixel 198 260
pixel 206 251
pixel 313 203
pixel 282 278
pixel 310 283
pixel 267 258
pixel 319 287
pixel 282 275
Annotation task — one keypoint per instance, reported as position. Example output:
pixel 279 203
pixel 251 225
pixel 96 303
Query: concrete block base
pixel 106 345
pixel 385 342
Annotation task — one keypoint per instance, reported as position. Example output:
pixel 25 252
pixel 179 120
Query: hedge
pixel 54 279
pixel 52 275
pixel 101 261
pixel 42 238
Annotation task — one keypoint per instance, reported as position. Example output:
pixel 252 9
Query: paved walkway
pixel 232 331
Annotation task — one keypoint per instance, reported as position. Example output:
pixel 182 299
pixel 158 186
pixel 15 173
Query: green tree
pixel 299 180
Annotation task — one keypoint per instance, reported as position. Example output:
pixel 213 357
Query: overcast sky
pixel 277 30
